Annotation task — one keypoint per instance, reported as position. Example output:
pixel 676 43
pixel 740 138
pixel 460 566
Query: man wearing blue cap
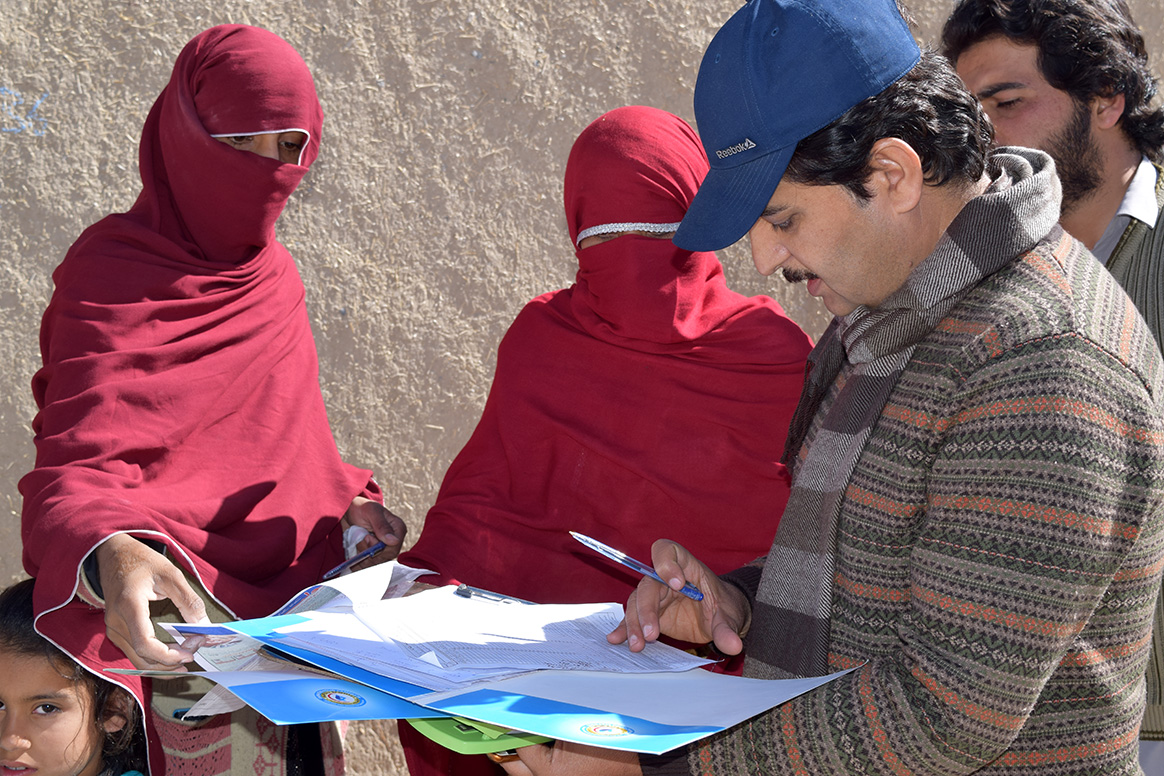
pixel 975 525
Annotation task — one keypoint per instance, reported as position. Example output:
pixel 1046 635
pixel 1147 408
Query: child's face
pixel 46 721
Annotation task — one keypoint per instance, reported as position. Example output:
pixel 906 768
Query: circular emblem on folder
pixel 340 698
pixel 606 729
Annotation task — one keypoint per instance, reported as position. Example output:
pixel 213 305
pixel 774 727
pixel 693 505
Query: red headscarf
pixel 647 400
pixel 179 397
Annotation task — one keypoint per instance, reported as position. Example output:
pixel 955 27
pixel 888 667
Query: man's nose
pixel 768 254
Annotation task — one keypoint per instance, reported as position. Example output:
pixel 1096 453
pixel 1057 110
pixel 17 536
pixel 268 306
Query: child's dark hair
pixel 123 750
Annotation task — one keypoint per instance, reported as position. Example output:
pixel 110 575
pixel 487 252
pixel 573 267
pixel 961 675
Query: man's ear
pixel 895 171
pixel 1106 112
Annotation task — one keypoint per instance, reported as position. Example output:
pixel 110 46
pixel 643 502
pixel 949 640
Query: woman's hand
pixel 723 616
pixel 566 759
pixel 132 575
pixel 382 526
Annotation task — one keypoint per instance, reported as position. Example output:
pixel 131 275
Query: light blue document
pixel 288 698
pixel 435 654
pixel 648 713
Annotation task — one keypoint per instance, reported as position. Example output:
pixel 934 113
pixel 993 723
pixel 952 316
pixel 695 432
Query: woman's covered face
pixel 286 147
pixel 246 88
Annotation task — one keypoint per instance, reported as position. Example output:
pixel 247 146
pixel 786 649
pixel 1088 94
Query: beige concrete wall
pixel 433 213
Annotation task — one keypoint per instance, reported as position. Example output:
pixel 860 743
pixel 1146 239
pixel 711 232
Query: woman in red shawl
pixel 646 400
pixel 183 449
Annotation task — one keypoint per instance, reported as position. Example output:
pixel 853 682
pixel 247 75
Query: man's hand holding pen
pixel 654 609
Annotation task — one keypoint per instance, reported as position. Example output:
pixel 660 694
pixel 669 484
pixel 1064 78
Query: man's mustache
pixel 797 275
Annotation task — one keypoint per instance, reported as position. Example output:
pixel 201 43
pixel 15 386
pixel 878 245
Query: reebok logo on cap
pixel 724 153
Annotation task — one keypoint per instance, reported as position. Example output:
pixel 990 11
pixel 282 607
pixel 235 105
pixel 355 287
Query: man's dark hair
pixel 929 108
pixel 1087 48
pixel 123 750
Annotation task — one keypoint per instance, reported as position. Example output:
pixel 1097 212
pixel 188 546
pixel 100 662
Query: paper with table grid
pixel 440 640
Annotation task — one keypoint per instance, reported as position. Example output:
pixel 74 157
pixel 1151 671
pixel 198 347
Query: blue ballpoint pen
pixel 689 590
pixel 359 557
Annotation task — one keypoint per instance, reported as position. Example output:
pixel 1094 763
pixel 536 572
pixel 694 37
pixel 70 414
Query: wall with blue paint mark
pixel 17 115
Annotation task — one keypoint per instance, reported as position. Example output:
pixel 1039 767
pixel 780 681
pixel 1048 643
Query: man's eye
pixel 1011 103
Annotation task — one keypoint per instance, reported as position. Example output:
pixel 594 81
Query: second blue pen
pixel 689 590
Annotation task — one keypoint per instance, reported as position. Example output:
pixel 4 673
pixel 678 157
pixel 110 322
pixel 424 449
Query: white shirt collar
pixel 1139 203
pixel 1140 198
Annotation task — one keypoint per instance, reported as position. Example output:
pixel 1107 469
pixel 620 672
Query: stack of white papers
pixel 341 651
pixel 440 640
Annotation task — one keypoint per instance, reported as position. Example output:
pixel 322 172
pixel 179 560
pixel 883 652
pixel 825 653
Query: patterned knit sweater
pixel 999 549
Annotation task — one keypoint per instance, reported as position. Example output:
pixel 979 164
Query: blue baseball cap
pixel 776 72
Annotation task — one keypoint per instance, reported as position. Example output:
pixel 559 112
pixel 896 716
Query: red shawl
pixel 179 397
pixel 647 400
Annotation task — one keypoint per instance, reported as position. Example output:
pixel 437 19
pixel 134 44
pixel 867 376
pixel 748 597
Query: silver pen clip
pixel 465 591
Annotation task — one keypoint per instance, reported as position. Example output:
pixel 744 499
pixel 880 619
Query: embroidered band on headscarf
pixel 629 226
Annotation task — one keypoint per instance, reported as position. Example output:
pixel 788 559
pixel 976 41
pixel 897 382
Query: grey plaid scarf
pixel 868 349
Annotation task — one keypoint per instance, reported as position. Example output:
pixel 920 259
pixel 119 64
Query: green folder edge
pixel 470 736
